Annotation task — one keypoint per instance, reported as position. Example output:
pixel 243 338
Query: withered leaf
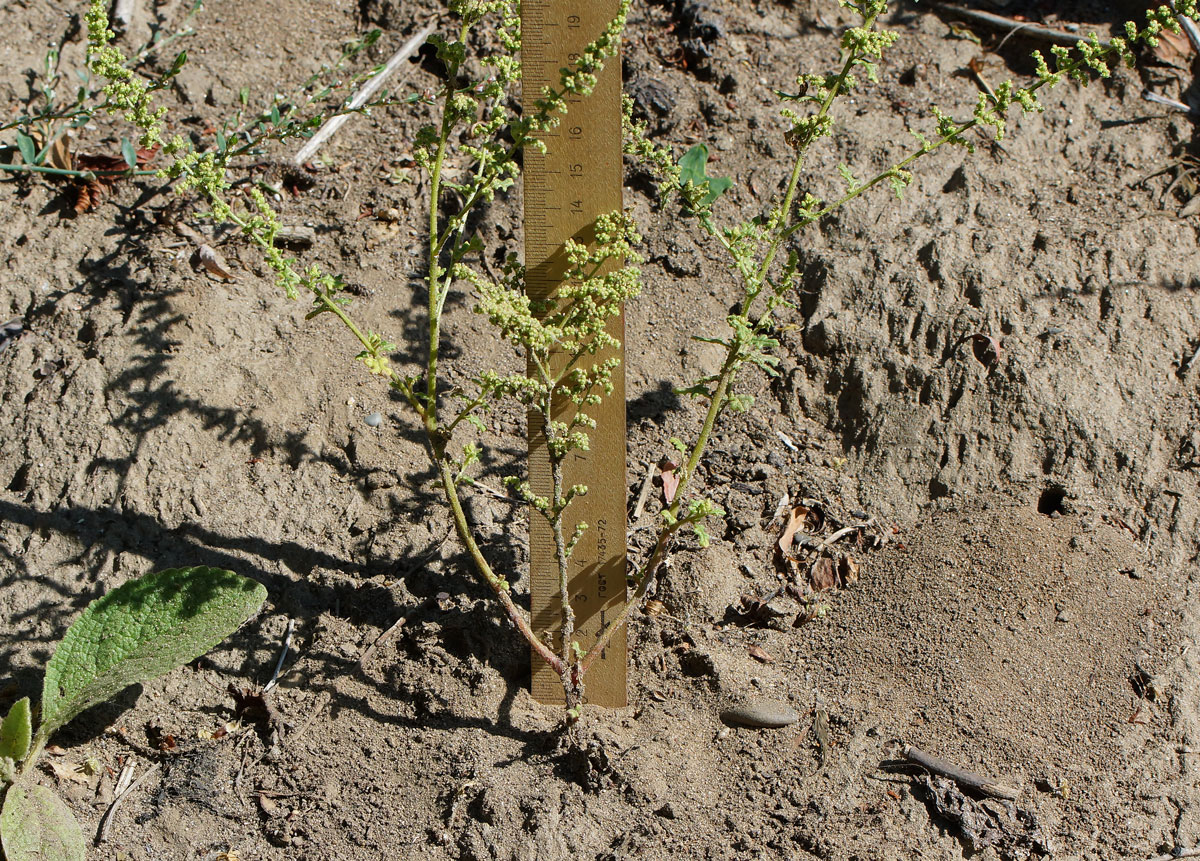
pixel 670 481
pixel 761 655
pixel 848 571
pixel 986 350
pixel 1172 48
pixel 66 771
pixel 60 155
pixel 800 517
pixel 212 261
pixel 107 170
pixel 823 574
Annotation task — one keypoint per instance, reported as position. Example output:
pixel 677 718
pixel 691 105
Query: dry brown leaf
pixel 800 517
pixel 848 571
pixel 670 481
pixel 68 771
pixel 108 170
pixel 213 262
pixel 60 155
pixel 760 654
pixel 1173 48
pixel 823 574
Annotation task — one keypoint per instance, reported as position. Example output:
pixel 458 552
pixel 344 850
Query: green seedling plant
pixel 137 632
pixel 42 129
pixel 476 119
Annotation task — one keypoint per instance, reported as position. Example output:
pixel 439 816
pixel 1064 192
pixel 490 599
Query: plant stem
pixel 83 174
pixel 498 584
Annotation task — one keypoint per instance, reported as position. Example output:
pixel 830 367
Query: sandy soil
pixel 1030 616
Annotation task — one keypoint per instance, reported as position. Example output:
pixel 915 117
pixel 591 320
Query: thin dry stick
pixel 369 89
pixel 839 535
pixel 106 821
pixel 287 643
pixel 1191 31
pixel 1178 853
pixel 960 776
pixel 382 638
pixel 1163 100
pixel 1026 29
pixel 645 494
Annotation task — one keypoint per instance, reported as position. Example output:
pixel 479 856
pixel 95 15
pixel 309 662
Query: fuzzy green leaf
pixel 128 153
pixel 27 147
pixel 141 630
pixel 35 825
pixel 16 731
pixel 692 168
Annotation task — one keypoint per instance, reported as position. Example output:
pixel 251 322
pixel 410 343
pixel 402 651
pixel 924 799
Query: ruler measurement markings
pixel 577 179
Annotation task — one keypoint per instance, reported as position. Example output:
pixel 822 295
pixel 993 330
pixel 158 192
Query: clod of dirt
pixel 1012 830
pixel 699 28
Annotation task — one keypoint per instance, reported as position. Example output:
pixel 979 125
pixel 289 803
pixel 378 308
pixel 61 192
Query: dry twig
pixel 962 777
pixel 121 795
pixel 363 96
pixel 1033 31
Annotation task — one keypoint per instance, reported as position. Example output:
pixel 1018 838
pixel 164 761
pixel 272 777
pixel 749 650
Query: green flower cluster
pixel 125 92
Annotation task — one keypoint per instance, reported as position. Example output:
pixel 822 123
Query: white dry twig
pixel 287 643
pixel 645 494
pixel 362 96
pixel 125 786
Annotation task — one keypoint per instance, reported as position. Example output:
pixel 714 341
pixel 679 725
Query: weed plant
pixel 139 631
pixel 477 119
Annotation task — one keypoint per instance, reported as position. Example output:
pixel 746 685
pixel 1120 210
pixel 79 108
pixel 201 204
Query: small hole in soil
pixel 1052 501
pixel 20 480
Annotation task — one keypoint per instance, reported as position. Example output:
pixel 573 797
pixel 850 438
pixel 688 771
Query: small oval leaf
pixel 128 153
pixel 16 731
pixel 140 631
pixel 27 147
pixel 35 825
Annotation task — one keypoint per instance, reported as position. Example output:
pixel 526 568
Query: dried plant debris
pixel 106 171
pixel 668 479
pixel 813 550
pixel 1012 831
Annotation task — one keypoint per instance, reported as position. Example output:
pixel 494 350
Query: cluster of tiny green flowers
pixel 125 91
pixel 863 42
pixel 579 79
pixel 657 158
pixel 374 358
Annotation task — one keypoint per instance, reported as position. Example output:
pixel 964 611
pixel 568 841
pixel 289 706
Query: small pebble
pixel 761 713
pixel 374 420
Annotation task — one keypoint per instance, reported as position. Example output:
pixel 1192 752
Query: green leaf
pixel 129 153
pixel 27 147
pixel 35 825
pixel 16 731
pixel 141 630
pixel 692 168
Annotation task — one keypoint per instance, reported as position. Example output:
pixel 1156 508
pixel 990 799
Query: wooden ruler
pixel 575 180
